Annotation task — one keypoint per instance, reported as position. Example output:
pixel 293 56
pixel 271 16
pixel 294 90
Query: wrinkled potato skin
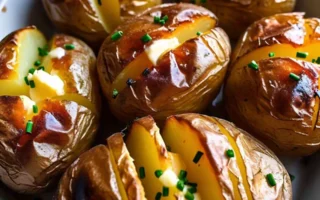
pixel 236 15
pixel 266 102
pixel 76 17
pixel 185 79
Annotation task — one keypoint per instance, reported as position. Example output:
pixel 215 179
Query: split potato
pixel 236 15
pixel 49 104
pixel 278 100
pixel 197 157
pixel 92 20
pixel 146 68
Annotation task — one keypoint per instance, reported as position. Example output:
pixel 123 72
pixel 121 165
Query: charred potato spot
pixel 285 86
pixel 137 77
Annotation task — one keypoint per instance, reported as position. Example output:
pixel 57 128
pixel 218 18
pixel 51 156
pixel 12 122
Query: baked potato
pixel 199 157
pixel 147 68
pixel 49 104
pixel 236 15
pixel 272 87
pixel 92 20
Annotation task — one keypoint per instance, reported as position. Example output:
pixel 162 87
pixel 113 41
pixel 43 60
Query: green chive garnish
pixel 117 35
pixel 35 108
pixel 115 93
pixel 162 22
pixel 32 84
pixel 253 65
pixel 158 196
pixel 318 60
pixel 156 19
pixel 189 196
pixel 271 180
pixel 180 185
pixel 29 126
pixel 292 177
pixel 199 33
pixel 43 51
pixel 26 80
pixel 165 18
pixel 302 54
pixel 32 70
pixel 203 1
pixel 165 191
pixel 69 46
pixel 41 68
pixel 182 174
pixel 294 77
pixel 158 173
pixel 142 173
pixel 197 157
pixel 37 63
pixel 230 153
pixel 99 2
pixel 313 61
pixel 271 54
pixel 146 38
pixel 192 190
pixel 192 184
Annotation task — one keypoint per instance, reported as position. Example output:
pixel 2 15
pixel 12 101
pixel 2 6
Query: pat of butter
pixel 46 85
pixel 57 53
pixel 160 47
pixel 27 103
pixel 169 178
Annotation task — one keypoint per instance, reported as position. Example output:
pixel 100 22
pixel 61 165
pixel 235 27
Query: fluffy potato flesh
pixel 148 151
pixel 154 52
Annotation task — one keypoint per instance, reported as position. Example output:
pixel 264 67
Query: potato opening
pixel 183 140
pixel 27 52
pixel 149 152
pixel 161 46
pixel 108 12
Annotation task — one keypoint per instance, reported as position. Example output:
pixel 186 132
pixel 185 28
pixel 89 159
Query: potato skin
pixel 236 15
pixel 185 79
pixel 266 102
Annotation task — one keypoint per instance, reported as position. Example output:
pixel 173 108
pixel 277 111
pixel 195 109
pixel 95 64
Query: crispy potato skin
pixel 236 15
pixel 181 79
pixel 76 17
pixel 258 159
pixel 269 104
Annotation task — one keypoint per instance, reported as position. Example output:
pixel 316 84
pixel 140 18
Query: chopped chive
pixel 32 84
pixel 158 173
pixel 192 190
pixel 199 33
pixel 294 77
pixel 165 18
pixel 203 1
pixel 165 191
pixel 35 108
pixel 99 2
pixel 271 54
pixel 69 46
pixel 158 196
pixel 189 196
pixel 43 51
pixel 29 126
pixel 41 68
pixel 115 93
pixel 182 174
pixel 32 70
pixel 130 82
pixel 156 19
pixel 302 54
pixel 192 184
pixel 146 38
pixel 230 153
pixel 37 63
pixel 253 65
pixel 197 157
pixel 318 60
pixel 313 60
pixel 142 173
pixel 292 177
pixel 146 72
pixel 162 22
pixel 271 180
pixel 180 185
pixel 26 80
pixel 117 35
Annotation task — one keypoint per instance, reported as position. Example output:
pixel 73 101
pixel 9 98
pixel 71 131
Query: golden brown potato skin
pixel 236 15
pixel 267 103
pixel 185 79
